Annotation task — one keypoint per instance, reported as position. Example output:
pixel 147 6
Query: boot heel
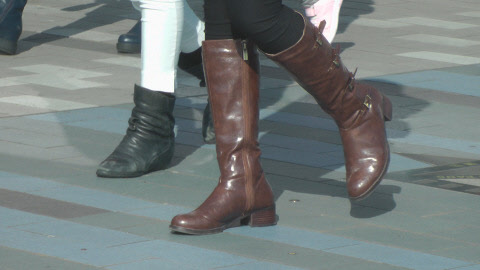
pixel 265 217
pixel 387 109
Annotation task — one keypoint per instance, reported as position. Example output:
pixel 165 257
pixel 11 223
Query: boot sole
pixel 123 175
pixel 129 48
pixel 8 46
pixel 128 175
pixel 261 218
pixel 107 174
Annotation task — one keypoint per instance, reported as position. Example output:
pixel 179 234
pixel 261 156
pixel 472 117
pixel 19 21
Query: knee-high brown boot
pixel 242 194
pixel 359 110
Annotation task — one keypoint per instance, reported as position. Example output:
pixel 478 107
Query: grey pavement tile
pixel 326 136
pixel 32 138
pixel 11 110
pixel 14 259
pixel 401 239
pixel 279 253
pixel 295 171
pixel 23 89
pixel 437 160
pixel 26 151
pixel 402 148
pixel 44 206
pixel 82 161
pixel 114 220
pixel 473 70
pixel 301 107
pixel 462 252
pixel 455 130
pixel 43 168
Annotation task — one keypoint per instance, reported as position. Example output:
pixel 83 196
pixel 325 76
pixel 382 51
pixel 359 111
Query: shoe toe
pixel 117 167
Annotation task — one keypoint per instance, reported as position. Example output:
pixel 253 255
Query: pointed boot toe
pixel 118 167
pixel 362 183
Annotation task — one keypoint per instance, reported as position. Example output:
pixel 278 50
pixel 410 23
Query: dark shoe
pixel 359 110
pixel 149 142
pixel 208 131
pixel 243 195
pixel 192 64
pixel 10 24
pixel 131 42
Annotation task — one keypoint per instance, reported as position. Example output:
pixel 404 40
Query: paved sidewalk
pixel 66 97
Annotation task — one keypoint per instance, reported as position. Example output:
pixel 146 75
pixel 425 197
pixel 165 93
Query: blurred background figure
pixel 131 42
pixel 328 10
pixel 190 58
pixel 10 24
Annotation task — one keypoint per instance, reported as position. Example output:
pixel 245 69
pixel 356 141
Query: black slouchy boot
pixel 149 143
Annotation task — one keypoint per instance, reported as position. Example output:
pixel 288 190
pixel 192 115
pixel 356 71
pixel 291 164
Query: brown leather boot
pixel 242 194
pixel 359 110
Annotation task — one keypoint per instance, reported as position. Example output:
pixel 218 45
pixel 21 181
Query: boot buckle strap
pixel 318 42
pixel 132 124
pixel 336 56
pixel 318 36
pixel 351 81
pixel 367 102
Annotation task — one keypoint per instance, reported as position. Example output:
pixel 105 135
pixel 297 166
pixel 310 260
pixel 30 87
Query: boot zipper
pixel 249 191
pixel 245 50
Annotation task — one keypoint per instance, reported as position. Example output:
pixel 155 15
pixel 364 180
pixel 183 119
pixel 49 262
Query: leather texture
pixel 242 195
pixel 359 110
pixel 10 24
pixel 149 141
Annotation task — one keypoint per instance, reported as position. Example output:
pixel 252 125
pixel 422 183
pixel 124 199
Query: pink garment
pixel 328 10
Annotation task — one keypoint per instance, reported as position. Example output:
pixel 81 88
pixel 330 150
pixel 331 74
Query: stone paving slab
pixel 66 97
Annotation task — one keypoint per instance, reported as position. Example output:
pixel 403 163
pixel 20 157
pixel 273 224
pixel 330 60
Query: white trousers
pixel 168 27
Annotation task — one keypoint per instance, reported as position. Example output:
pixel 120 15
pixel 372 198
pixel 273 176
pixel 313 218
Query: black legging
pixel 271 25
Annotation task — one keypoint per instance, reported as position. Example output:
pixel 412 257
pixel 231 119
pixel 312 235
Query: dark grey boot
pixel 149 143
pixel 10 24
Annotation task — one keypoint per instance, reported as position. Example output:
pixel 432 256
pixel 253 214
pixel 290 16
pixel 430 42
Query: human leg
pixel 192 37
pixel 10 24
pixel 328 10
pixel 359 110
pixel 131 42
pixel 190 58
pixel 242 195
pixel 149 141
